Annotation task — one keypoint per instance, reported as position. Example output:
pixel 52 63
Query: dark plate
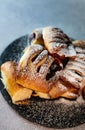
pixel 59 113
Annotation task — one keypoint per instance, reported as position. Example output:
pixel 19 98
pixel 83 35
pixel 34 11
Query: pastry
pixel 18 94
pixel 39 71
pixel 55 41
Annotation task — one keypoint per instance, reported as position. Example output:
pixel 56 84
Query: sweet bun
pixel 39 71
pixel 18 94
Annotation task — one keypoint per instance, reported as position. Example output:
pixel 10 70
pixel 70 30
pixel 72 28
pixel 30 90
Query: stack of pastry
pixel 51 67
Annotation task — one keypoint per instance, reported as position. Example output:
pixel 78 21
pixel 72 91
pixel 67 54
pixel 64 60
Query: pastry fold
pixel 18 93
pixel 38 73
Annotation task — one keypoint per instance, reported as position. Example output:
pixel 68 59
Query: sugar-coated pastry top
pixel 51 67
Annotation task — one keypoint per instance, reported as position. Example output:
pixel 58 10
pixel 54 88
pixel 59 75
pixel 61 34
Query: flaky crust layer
pixel 38 73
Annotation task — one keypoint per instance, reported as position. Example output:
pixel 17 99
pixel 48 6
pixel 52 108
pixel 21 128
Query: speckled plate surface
pixel 58 113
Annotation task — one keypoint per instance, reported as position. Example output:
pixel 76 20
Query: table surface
pixel 20 17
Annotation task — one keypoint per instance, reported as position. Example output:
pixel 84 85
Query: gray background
pixel 20 17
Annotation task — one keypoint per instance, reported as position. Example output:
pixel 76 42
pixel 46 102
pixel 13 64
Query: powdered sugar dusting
pixel 34 48
pixel 42 55
pixel 62 87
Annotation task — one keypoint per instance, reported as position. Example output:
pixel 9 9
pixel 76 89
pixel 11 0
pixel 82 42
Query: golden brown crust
pixel 58 44
pixel 54 40
pixel 39 71
pixel 65 83
pixel 31 74
pixel 16 92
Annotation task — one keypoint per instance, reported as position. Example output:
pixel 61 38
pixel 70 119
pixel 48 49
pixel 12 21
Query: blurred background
pixel 20 17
